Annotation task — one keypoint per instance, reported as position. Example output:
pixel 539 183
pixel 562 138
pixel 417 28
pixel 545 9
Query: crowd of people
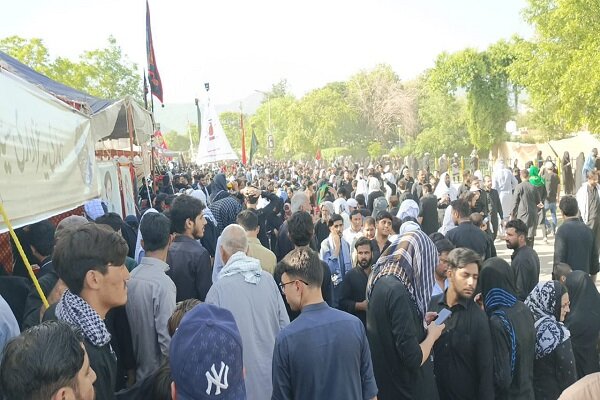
pixel 294 281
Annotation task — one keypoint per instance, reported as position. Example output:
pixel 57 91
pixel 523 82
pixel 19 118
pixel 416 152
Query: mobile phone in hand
pixel 443 316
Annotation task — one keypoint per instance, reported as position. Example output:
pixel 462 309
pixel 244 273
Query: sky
pixel 241 46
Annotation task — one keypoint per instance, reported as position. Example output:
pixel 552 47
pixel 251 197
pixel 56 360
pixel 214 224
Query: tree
pixel 560 68
pixel 286 141
pixel 32 52
pixel 278 90
pixel 383 104
pixel 176 142
pixel 231 125
pixel 106 73
pixel 485 78
pixel 443 119
pixel 325 119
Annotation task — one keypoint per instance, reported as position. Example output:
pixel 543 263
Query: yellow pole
pixel 23 256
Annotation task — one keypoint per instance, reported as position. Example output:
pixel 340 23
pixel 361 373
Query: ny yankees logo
pixel 217 379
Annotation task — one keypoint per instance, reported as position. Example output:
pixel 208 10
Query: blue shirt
pixel 9 328
pixel 436 288
pixel 323 354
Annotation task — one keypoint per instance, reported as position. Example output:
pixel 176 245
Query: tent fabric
pixel 63 92
pixel 109 117
pixel 53 149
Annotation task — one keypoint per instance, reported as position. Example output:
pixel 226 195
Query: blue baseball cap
pixel 206 355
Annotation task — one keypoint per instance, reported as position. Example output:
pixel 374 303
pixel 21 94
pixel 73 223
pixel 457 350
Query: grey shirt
pixel 150 302
pixel 260 314
pixel 9 328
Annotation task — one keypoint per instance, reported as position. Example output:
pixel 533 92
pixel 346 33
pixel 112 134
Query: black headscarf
pixel 497 273
pixel 167 186
pixel 498 288
pixel 584 299
pixel 218 186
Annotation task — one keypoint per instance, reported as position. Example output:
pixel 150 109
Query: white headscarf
pixel 408 208
pixel 441 189
pixel 448 222
pixel 340 206
pixel 374 184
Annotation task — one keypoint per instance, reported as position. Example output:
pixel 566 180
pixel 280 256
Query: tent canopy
pixel 109 117
pixel 57 89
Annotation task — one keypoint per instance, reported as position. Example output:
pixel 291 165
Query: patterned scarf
pixel 76 311
pixel 494 300
pixel 240 263
pixel 544 303
pixel 412 259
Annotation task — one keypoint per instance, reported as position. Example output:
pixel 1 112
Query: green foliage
pixel 334 152
pixel 443 119
pixel 176 142
pixel 231 125
pixel 484 77
pixel 561 68
pixel 375 150
pixel 32 52
pixel 104 73
pixel 279 89
pixel 282 112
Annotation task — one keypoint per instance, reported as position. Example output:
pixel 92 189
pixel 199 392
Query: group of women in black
pixel 547 343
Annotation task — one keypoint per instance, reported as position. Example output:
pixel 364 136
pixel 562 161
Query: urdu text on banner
pixel 47 161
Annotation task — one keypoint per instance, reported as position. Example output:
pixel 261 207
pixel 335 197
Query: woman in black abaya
pixel 513 334
pixel 584 322
pixel 567 173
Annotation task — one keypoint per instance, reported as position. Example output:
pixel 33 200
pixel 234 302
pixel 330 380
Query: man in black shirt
pixel 463 353
pixel 428 214
pixel 352 298
pixel 574 241
pixel 494 204
pixel 384 229
pixel 466 234
pixel 525 261
pixel 189 262
pixel 300 234
pixel 588 198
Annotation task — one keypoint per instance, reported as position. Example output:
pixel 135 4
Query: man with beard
pixel 463 353
pixel 417 187
pixel 525 261
pixel 352 298
pixel 369 228
pixel 191 270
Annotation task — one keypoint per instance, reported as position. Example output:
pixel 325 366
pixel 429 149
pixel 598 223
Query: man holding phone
pixel 463 353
